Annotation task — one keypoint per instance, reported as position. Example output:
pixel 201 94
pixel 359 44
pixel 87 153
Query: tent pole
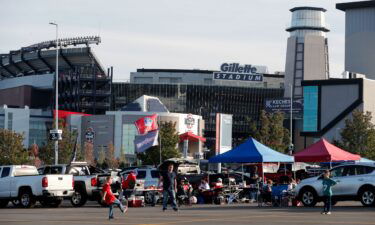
pixel 263 173
pixel 242 174
pixel 285 169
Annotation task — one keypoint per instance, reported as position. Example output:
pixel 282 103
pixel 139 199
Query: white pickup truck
pixel 23 184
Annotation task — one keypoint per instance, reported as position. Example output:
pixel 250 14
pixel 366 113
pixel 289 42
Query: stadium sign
pixel 283 105
pixel 237 72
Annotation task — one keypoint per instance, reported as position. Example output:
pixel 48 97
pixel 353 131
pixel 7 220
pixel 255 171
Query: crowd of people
pixel 175 192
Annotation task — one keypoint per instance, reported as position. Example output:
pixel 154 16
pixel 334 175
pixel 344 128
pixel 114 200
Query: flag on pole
pixel 146 124
pixel 144 142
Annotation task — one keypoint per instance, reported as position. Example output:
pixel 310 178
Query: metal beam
pixel 66 59
pixel 45 62
pixel 27 63
pixel 5 68
pixel 11 61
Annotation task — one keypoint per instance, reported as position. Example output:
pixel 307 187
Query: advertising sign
pixel 283 105
pixel 224 124
pixel 237 72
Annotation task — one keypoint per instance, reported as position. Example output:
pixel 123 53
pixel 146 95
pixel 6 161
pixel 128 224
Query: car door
pixel 337 175
pixel 5 180
pixel 348 182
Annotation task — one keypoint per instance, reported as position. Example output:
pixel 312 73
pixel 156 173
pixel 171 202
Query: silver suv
pixel 354 182
pixel 146 176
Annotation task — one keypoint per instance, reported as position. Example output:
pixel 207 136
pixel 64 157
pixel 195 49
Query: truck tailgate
pixel 59 182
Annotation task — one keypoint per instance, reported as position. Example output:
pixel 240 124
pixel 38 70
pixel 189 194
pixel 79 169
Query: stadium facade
pixel 245 102
pixel 28 74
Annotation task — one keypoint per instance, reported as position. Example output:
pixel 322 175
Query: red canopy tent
pixel 323 151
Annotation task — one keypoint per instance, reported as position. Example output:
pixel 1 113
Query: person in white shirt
pixel 204 185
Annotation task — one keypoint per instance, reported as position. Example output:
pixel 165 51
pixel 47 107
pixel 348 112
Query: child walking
pixel 327 192
pixel 110 199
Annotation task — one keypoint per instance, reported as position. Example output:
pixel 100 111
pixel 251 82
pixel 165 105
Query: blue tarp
pixel 251 151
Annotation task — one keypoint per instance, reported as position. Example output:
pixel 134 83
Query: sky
pixel 170 34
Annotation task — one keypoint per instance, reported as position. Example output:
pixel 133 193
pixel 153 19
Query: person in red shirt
pixel 110 199
pixel 128 184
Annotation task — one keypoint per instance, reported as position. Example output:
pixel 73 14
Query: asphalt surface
pixel 343 213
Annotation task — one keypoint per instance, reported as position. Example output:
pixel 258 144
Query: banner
pixel 146 124
pixel 283 105
pixel 144 142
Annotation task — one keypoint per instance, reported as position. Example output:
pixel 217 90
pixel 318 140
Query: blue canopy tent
pixel 251 151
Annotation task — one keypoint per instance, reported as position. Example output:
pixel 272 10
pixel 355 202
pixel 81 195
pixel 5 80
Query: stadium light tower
pixel 56 133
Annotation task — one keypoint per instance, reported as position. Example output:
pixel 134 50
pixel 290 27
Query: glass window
pixel 2 122
pixel 337 172
pixel 129 131
pixel 310 108
pixel 154 174
pixel 5 172
pixel 141 174
pixel 360 170
pixel 10 121
pixel 349 171
pixel 38 132
pixel 56 170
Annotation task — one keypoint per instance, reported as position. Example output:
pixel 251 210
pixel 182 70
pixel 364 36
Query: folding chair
pixel 279 193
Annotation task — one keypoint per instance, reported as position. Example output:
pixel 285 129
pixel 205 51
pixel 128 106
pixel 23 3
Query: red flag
pixel 146 124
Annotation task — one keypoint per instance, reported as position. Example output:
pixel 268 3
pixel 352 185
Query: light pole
pixel 57 93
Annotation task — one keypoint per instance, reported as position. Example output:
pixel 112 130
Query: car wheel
pixel 78 198
pixel 26 199
pixel 367 197
pixel 308 197
pixel 149 197
pixel 3 203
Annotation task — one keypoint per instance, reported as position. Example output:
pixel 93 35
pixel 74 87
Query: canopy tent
pixel 251 151
pixel 323 151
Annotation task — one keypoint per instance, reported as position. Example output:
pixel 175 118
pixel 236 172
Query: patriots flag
pixel 148 133
pixel 146 124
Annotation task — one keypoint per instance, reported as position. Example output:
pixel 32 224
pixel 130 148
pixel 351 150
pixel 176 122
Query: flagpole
pixel 159 146
pixel 159 141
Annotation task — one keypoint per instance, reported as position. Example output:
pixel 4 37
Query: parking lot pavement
pixel 344 213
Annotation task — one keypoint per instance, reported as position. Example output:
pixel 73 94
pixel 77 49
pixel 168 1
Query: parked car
pixel 23 184
pixel 147 180
pixel 88 181
pixel 354 182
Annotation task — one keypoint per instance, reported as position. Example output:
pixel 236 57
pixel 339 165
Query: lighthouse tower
pixel 307 49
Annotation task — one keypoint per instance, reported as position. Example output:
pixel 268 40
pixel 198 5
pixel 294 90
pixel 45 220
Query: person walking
pixel 110 199
pixel 327 192
pixel 168 178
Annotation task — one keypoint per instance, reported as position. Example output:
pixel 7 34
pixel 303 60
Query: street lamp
pixel 57 93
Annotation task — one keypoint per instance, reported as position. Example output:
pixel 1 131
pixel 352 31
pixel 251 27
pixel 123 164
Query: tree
pixel 110 157
pixel 66 148
pixel 122 160
pixel 11 148
pixel 358 135
pixel 270 131
pixel 101 157
pixel 169 143
pixel 34 153
pixel 89 153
